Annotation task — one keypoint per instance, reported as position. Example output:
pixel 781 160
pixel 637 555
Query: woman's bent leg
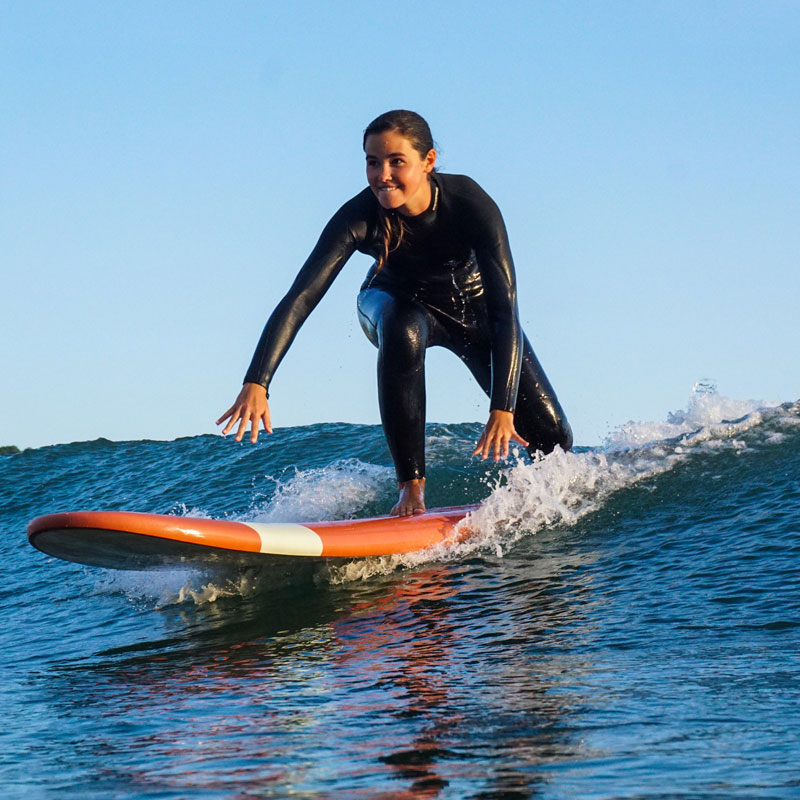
pixel 539 418
pixel 399 329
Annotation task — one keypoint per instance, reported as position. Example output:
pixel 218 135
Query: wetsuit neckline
pixel 430 211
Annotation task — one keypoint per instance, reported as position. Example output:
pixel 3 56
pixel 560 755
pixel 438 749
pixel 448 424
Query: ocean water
pixel 625 623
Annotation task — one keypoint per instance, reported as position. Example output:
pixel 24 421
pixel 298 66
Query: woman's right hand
pixel 250 406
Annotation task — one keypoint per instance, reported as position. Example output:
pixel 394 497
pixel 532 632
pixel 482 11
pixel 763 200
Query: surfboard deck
pixel 132 540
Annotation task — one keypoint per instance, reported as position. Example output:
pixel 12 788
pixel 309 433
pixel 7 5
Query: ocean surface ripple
pixel 625 623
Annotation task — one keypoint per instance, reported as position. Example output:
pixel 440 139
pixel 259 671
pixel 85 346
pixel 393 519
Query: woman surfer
pixel 443 275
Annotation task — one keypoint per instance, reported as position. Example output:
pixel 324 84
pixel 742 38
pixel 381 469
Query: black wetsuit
pixel 449 283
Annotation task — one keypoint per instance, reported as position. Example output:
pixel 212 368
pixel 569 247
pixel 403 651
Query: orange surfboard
pixel 129 540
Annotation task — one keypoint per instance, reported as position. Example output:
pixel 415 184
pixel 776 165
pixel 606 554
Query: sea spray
pixel 705 410
pixel 337 491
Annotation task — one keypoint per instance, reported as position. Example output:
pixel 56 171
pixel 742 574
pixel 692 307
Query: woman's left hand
pixel 497 435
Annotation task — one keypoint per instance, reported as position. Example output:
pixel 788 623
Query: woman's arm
pixel 496 266
pixel 500 288
pixel 336 244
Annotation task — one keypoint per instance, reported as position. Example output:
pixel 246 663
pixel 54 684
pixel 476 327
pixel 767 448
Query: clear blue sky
pixel 165 168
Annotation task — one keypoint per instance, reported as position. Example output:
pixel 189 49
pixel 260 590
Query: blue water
pixel 625 623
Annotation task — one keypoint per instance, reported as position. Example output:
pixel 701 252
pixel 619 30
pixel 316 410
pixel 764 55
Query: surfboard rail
pixel 119 538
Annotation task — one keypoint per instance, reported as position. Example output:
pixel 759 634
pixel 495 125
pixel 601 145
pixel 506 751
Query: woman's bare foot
pixel 411 500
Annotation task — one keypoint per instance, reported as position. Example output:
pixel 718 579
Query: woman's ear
pixel 430 161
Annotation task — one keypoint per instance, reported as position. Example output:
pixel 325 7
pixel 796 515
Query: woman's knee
pixel 544 426
pixel 397 327
pixel 563 434
pixel 403 340
pixel 400 331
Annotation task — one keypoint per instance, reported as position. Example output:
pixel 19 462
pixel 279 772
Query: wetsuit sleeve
pixel 336 244
pixel 499 281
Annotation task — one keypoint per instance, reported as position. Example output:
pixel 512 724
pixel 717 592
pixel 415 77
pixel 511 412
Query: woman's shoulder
pixel 361 205
pixel 356 215
pixel 467 194
pixel 457 183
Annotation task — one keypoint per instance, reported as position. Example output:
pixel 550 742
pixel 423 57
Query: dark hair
pixel 408 124
pixel 413 127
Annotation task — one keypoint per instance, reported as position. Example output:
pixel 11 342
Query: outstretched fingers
pixel 228 413
pixel 243 428
pixel 251 407
pixel 497 436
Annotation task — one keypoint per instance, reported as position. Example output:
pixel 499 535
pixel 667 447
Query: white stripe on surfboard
pixel 287 539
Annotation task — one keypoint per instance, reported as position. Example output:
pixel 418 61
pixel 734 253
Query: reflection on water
pixel 448 678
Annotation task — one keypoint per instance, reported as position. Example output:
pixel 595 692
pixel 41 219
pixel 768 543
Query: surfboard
pixel 132 540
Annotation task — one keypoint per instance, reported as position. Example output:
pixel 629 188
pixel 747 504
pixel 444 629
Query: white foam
pixel 161 588
pixel 337 491
pixel 706 408
pixel 199 593
pixel 168 587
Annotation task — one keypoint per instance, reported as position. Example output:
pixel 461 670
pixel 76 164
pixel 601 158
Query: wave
pixel 522 498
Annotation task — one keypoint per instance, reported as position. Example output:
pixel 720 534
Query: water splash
pixel 706 409
pixel 338 491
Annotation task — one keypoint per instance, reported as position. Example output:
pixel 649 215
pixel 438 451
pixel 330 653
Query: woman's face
pixel 398 174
